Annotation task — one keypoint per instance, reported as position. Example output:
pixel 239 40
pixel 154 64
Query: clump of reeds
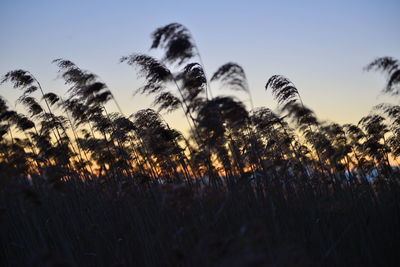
pixel 248 186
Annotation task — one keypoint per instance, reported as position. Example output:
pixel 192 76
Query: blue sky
pixel 322 46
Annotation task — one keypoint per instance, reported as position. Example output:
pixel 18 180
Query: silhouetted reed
pixel 247 187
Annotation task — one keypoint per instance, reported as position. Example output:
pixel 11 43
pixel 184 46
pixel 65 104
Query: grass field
pixel 81 186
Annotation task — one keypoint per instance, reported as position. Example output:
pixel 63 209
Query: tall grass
pixel 83 186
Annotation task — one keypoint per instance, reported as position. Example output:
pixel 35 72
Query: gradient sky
pixel 322 46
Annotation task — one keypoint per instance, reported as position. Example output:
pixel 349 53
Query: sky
pixel 321 46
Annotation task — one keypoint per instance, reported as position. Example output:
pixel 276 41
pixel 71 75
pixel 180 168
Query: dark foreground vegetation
pixel 81 186
pixel 261 222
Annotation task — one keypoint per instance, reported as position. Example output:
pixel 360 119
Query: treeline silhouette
pixel 85 186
